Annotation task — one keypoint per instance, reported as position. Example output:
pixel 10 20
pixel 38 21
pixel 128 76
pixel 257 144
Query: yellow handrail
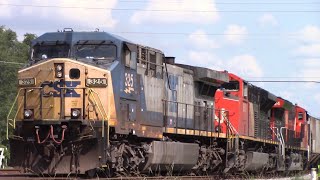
pixel 15 116
pixel 103 114
pixel 10 111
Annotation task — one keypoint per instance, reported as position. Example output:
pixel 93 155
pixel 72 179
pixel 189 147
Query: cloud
pixel 177 12
pixel 317 98
pixel 91 18
pixel 235 34
pixel 286 94
pixel 245 65
pixel 310 34
pixel 267 19
pixel 200 40
pixel 68 17
pixel 310 68
pixel 309 50
pixel 5 11
pixel 205 59
pixel 202 54
pixel 309 71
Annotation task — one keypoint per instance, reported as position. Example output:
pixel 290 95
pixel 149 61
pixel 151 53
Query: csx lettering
pixel 70 91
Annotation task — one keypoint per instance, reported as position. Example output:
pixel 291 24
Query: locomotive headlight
pixel 28 113
pixel 59 70
pixel 58 67
pixel 59 74
pixel 75 113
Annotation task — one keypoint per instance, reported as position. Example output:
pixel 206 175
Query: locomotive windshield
pixel 278 113
pixel 96 51
pixel 231 86
pixel 47 51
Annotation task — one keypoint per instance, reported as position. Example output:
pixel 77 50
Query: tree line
pixel 13 55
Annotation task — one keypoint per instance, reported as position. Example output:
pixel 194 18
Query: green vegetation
pixel 13 56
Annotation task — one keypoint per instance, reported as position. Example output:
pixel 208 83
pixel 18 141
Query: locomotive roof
pixel 71 37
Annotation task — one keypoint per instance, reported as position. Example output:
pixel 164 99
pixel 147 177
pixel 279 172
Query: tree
pixel 13 54
pixel 28 37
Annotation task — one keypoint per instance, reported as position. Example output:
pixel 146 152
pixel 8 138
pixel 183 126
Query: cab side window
pixel 300 116
pixel 130 58
pixel 245 90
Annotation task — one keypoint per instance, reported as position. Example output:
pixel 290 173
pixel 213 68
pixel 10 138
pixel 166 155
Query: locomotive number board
pixel 27 82
pixel 96 82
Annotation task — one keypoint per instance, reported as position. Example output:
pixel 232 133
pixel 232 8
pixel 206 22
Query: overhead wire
pixel 207 34
pixel 158 10
pixel 284 81
pixel 281 77
pixel 233 3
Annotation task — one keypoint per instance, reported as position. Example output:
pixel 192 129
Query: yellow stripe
pixel 223 135
pixel 181 131
pixel 190 132
pixel 194 132
pixel 170 130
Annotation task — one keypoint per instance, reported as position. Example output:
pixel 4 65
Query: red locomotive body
pixel 291 120
pixel 233 98
pixel 248 107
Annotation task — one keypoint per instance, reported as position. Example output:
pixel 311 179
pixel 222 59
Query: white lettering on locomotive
pixel 128 83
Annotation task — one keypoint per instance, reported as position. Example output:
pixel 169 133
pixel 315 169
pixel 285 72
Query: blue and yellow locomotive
pixel 92 100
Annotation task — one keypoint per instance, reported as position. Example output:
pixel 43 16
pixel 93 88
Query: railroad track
pixel 117 178
pixel 9 171
pixel 15 174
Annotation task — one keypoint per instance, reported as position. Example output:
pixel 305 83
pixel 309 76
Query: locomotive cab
pixel 248 107
pixel 292 119
pixel 231 97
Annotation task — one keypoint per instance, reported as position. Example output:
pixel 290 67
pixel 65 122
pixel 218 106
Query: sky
pixel 255 39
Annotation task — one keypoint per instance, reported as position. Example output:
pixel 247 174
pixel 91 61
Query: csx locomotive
pixel 93 102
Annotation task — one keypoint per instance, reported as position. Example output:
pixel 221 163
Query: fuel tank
pixel 175 156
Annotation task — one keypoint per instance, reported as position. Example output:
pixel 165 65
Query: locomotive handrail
pixel 276 133
pixel 150 62
pixel 104 154
pixel 191 104
pixel 209 120
pixel 103 114
pixel 231 126
pixel 283 142
pixel 8 116
pixel 15 116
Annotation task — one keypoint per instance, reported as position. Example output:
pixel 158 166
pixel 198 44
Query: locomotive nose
pixel 59 89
